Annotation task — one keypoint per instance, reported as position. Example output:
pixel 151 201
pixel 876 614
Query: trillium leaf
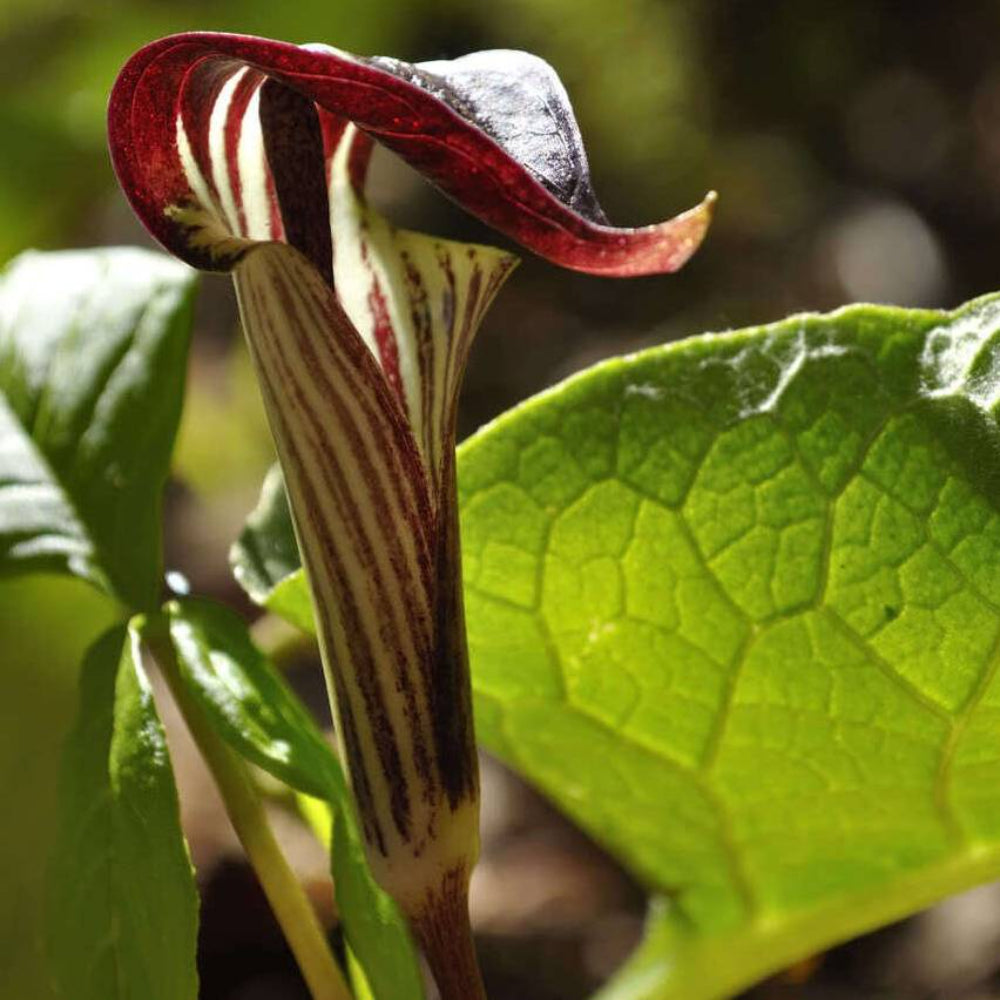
pixel 733 604
pixel 252 709
pixel 93 348
pixel 122 910
pixel 493 130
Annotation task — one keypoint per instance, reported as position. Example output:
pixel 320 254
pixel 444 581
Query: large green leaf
pixel 734 604
pixel 253 710
pixel 93 346
pixel 122 911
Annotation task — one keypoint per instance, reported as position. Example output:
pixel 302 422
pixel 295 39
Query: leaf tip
pixel 683 235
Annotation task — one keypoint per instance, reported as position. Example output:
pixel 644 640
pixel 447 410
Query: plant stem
pixel 281 641
pixel 288 900
pixel 442 928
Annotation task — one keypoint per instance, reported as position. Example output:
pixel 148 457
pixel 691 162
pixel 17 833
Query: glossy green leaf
pixel 254 711
pixel 93 349
pixel 734 604
pixel 247 700
pixel 122 909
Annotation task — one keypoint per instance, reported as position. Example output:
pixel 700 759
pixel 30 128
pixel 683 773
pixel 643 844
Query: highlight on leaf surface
pixel 493 130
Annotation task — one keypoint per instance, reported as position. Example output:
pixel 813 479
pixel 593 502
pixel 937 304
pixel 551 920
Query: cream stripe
pixel 199 186
pixel 353 226
pixel 252 165
pixel 217 150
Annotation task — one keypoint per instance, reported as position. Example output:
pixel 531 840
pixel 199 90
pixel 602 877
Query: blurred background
pixel 856 150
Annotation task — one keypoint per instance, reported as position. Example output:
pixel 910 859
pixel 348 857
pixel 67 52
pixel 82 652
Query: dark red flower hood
pixel 493 130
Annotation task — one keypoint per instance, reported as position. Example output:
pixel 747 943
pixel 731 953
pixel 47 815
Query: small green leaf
pixel 734 604
pixel 265 557
pixel 246 699
pixel 122 910
pixel 253 710
pixel 93 348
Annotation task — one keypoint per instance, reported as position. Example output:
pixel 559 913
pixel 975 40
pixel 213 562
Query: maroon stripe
pixel 448 296
pixel 449 388
pixel 277 226
pixel 385 335
pixel 197 100
pixel 357 772
pixel 333 128
pixel 423 340
pixel 451 692
pixel 450 686
pixel 293 142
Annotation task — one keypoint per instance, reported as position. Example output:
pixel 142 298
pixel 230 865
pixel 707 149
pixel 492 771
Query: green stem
pixel 288 900
pixel 281 641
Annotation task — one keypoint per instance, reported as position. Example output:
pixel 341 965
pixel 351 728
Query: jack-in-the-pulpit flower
pixel 250 156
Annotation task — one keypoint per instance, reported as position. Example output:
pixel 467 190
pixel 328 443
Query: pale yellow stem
pixel 284 892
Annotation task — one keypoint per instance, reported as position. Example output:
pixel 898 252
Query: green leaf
pixel 246 699
pixel 252 709
pixel 38 688
pixel 93 347
pixel 734 604
pixel 122 912
pixel 265 557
